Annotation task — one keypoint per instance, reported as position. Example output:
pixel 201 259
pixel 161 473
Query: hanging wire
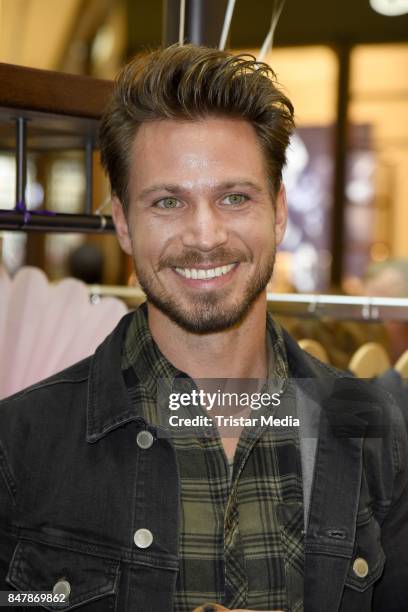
pixel 182 21
pixel 102 206
pixel 226 25
pixel 268 42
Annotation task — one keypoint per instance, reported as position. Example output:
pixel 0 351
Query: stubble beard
pixel 207 312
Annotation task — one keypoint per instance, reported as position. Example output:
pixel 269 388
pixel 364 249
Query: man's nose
pixel 206 228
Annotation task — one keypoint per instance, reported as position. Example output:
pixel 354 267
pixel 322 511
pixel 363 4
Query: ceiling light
pixel 390 8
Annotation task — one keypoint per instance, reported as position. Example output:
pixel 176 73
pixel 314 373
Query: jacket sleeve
pixel 7 511
pixel 391 591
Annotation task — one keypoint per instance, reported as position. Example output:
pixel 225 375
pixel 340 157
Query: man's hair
pixel 191 82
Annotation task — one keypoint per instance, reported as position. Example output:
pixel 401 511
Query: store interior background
pixel 344 66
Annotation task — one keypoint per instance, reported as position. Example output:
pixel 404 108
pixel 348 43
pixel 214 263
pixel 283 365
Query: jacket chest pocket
pixel 367 563
pixel 83 580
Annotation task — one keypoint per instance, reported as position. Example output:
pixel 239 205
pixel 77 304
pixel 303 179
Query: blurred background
pixel 343 64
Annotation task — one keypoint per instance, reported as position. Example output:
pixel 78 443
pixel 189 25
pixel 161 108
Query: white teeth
pixel 200 274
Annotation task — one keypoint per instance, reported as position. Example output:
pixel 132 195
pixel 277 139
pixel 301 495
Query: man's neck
pixel 239 352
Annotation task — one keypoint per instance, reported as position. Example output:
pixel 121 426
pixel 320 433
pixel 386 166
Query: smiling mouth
pixel 205 274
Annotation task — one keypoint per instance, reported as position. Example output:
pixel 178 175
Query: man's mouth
pixel 205 273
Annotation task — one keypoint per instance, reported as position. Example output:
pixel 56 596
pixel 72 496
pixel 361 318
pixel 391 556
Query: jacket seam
pixel 5 471
pixel 45 385
pixel 398 463
pixel 92 419
pixel 118 554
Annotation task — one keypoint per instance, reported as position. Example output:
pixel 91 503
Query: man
pixel 105 502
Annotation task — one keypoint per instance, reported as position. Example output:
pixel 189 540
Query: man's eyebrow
pixel 174 188
pixel 239 183
pixel 170 187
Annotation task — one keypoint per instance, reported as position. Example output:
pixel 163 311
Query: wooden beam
pixel 53 92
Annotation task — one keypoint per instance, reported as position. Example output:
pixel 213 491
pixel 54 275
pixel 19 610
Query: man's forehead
pixel 225 148
pixel 193 131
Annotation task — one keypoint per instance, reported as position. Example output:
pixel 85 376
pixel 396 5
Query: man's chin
pixel 203 317
pixel 196 322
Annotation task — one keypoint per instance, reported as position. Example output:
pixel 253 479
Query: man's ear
pixel 121 225
pixel 281 214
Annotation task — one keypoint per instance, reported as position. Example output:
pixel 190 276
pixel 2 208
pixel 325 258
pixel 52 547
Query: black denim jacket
pixel 75 488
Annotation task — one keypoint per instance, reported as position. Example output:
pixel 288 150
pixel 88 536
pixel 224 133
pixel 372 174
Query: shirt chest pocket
pixel 367 563
pixel 86 581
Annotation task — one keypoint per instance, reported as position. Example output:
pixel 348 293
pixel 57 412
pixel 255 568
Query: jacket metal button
pixel 360 567
pixel 143 538
pixel 62 587
pixel 144 439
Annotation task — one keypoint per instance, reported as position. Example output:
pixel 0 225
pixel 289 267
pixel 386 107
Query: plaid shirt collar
pixel 109 405
pixel 142 353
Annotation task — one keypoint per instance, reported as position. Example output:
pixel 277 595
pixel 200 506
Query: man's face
pixel 202 227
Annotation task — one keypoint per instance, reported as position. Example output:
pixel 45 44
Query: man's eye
pixel 235 199
pixel 167 203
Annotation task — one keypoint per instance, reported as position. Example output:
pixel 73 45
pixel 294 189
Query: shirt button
pixel 62 587
pixel 143 538
pixel 144 439
pixel 360 567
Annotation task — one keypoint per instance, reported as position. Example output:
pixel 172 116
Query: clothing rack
pixel 46 221
pixel 42 111
pixel 358 308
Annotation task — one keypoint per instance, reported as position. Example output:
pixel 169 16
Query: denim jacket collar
pixel 108 402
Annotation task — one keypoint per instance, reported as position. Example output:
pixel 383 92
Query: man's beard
pixel 206 311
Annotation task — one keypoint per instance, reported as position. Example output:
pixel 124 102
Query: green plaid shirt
pixel 241 539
